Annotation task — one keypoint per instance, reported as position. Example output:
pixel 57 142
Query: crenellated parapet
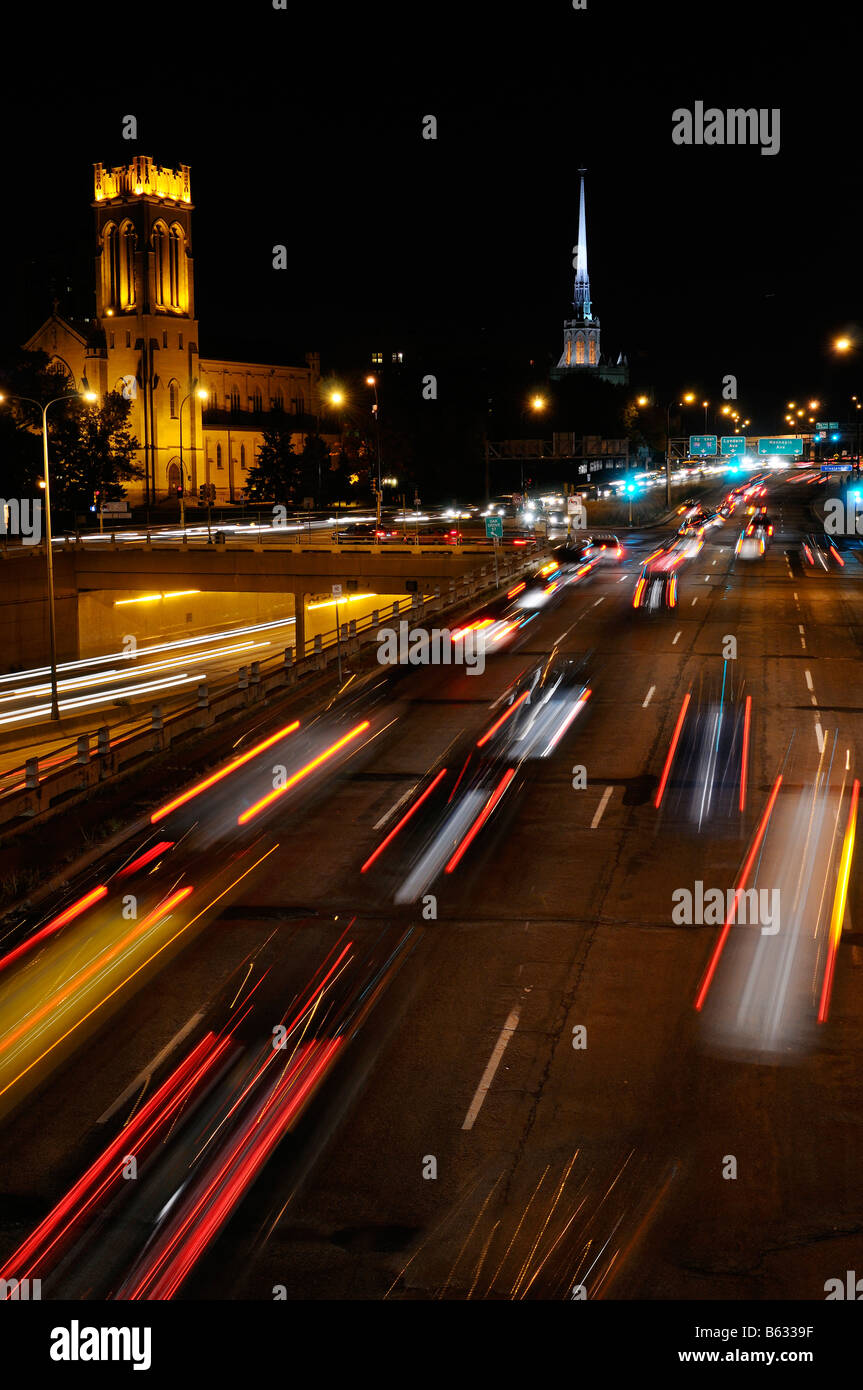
pixel 142 178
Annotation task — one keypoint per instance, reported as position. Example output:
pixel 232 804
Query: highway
pixel 507 1092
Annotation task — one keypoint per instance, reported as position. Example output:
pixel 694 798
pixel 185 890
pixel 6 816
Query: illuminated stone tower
pixel 581 352
pixel 146 344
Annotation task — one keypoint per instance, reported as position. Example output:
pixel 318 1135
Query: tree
pixel 90 447
pixel 275 475
pixel 91 451
pixel 314 468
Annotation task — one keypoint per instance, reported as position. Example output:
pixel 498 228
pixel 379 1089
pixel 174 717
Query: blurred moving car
pixel 751 543
pixel 822 551
pixel 656 589
pixel 365 531
pixel 481 777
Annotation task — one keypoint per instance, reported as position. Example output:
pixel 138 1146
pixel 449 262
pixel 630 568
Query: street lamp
pixel 201 394
pixel 336 397
pixel 86 395
pixel 687 399
pixel 373 382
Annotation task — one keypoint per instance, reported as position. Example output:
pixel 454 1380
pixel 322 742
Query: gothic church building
pixel 143 343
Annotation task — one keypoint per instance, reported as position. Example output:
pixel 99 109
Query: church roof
pixel 79 330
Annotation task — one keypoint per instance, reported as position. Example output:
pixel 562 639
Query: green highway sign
pixel 494 527
pixel 702 444
pixel 782 444
pixel 732 444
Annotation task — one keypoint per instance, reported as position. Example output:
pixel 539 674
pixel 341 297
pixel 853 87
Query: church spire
pixel 581 295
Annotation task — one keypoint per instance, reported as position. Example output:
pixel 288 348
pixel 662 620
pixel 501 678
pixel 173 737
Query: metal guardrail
pixel 37 793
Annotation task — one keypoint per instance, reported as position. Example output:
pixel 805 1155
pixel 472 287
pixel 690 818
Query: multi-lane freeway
pixel 510 1081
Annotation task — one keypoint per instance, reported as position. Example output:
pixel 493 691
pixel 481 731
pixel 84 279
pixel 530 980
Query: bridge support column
pixel 300 624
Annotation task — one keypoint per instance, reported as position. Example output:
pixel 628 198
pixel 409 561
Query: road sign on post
pixel 732 444
pixel 702 444
pixel 494 527
pixel 782 444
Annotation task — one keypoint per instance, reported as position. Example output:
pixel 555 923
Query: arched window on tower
pixel 242 455
pixel 111 266
pixel 235 399
pixel 128 242
pixel 579 350
pixel 591 352
pixel 160 265
pixel 175 248
pixel 219 463
pixel 174 394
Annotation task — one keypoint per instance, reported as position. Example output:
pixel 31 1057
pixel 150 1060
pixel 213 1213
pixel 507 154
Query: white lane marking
pixel 795 595
pixel 622 578
pixel 814 699
pixel 694 601
pixel 564 635
pixel 713 562
pixel 391 812
pixel 606 796
pixel 680 634
pixel 707 578
pixel 803 643
pixel 648 697
pixel 800 628
pixel 847 759
pixel 482 1089
pixel 808 675
pixel 151 1067
pixel 599 601
pixel 819 734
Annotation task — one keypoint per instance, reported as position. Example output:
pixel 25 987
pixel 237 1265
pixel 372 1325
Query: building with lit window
pixel 143 343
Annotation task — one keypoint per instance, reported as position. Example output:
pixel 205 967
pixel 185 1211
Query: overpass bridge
pixel 104 593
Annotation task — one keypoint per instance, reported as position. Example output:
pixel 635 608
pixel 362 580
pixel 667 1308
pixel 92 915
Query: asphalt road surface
pixel 524 1100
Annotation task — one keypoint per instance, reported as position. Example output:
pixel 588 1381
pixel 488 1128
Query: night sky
pixel 307 130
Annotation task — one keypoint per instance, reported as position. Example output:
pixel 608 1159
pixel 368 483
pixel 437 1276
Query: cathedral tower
pixel 147 343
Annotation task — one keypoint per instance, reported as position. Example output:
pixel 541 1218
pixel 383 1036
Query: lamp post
pixel 337 397
pixel 201 393
pixel 86 395
pixel 373 382
pixel 537 405
pixel 687 400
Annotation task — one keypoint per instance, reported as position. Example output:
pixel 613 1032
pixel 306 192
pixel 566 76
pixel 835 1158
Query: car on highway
pixel 436 535
pixel 365 532
pixel 656 589
pixel 751 542
pixel 481 778
pixel 821 551
pixel 577 549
